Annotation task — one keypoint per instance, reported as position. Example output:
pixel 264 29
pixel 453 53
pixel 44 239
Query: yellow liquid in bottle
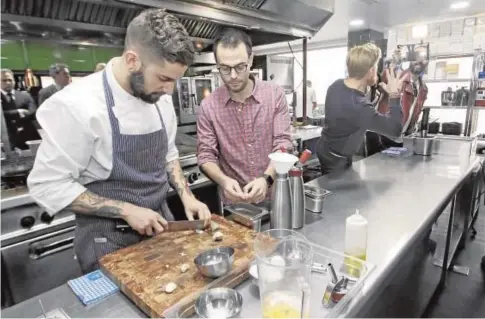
pixel 354 267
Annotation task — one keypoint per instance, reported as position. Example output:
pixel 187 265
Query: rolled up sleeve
pixel 64 153
pixel 207 146
pixel 281 123
pixel 171 126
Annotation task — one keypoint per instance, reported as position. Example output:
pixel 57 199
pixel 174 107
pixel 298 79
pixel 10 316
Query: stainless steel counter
pixel 400 196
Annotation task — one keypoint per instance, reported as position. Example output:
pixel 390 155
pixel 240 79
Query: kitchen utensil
pixel 173 226
pixel 281 209
pixel 284 259
pixel 248 215
pixel 314 198
pixel 215 262
pixel 425 122
pixel 219 303
pixel 141 269
pixel 423 145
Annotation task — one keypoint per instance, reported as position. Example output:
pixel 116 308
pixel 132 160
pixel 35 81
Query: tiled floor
pixel 464 296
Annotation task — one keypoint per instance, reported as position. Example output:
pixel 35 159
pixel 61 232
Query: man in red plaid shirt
pixel 240 123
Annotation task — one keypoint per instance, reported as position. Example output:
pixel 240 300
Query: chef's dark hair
pixel 54 69
pixel 159 34
pixel 231 38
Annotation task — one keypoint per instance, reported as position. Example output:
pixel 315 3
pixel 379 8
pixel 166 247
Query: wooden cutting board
pixel 142 270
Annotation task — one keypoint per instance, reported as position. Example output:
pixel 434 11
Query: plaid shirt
pixel 240 136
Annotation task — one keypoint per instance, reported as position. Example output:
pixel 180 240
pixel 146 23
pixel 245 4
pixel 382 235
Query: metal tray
pixel 247 214
pixel 316 192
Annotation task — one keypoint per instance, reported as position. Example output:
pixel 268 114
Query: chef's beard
pixel 137 84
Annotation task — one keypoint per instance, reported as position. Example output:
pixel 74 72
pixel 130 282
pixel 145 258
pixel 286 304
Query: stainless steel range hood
pixel 103 22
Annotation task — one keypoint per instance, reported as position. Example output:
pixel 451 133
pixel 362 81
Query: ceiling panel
pixel 387 13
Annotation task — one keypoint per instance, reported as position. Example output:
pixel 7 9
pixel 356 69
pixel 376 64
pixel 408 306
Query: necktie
pixel 10 96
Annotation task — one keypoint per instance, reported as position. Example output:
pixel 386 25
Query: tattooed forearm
pixel 89 203
pixel 177 178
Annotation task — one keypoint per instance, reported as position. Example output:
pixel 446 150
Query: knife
pixel 173 226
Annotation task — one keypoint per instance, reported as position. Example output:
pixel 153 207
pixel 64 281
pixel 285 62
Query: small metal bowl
pixel 215 262
pixel 219 303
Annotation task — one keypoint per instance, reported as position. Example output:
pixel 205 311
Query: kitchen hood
pixel 103 22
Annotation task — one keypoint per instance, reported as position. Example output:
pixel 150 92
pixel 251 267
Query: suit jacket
pixel 20 129
pixel 46 93
pixel 408 95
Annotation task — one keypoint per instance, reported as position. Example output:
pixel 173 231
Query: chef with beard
pixel 109 150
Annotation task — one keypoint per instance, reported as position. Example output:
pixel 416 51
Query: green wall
pixel 38 56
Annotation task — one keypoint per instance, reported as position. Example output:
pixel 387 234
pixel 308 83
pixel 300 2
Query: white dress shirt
pixel 77 144
pixel 310 99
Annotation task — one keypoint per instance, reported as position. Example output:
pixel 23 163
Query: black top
pixel 349 114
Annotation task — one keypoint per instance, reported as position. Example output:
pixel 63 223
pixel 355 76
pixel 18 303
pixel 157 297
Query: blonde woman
pixel 349 114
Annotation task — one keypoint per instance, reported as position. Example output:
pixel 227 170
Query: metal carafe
pixel 281 208
pixel 297 198
pixel 298 192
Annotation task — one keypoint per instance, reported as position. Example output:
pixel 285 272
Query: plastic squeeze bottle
pixel 356 236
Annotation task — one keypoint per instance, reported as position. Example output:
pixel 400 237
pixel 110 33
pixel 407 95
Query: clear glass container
pixel 284 259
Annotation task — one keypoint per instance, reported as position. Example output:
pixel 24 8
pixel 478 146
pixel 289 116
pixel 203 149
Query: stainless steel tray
pixel 247 214
pixel 316 192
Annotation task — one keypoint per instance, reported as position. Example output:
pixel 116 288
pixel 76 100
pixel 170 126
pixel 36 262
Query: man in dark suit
pixel 60 73
pixel 19 110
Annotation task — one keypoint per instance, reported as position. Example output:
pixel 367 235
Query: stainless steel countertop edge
pixel 379 274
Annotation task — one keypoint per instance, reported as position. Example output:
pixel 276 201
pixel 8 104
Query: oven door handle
pixel 37 252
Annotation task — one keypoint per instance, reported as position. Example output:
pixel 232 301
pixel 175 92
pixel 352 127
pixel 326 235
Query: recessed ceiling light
pixel 459 5
pixel 356 22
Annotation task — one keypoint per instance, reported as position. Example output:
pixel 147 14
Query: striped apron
pixel 138 176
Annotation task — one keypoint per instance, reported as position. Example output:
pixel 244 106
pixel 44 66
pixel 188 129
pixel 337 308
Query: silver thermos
pixel 298 192
pixel 298 198
pixel 281 203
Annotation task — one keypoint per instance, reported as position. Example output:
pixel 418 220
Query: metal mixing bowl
pixel 219 303
pixel 215 262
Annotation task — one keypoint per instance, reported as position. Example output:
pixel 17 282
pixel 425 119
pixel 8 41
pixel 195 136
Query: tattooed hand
pixel 143 220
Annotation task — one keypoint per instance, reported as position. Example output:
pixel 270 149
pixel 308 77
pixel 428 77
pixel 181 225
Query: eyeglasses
pixel 226 70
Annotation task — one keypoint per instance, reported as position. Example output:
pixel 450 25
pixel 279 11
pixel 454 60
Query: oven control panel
pixel 194 176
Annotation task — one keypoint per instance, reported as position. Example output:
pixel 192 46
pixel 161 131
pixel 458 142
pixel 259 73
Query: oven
pixel 36 265
pixel 37 252
pixel 188 94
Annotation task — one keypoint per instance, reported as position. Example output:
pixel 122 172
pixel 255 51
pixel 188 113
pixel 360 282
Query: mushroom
pixel 184 268
pixel 199 231
pixel 170 287
pixel 217 236
pixel 215 226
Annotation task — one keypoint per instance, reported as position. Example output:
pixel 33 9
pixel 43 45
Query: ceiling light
pixel 357 22
pixel 459 5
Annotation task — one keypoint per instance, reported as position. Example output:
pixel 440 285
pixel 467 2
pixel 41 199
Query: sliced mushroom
pixel 184 268
pixel 217 236
pixel 215 226
pixel 170 287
